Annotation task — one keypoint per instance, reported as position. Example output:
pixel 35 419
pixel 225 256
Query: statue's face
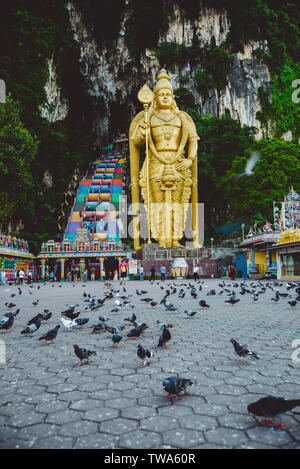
pixel 164 98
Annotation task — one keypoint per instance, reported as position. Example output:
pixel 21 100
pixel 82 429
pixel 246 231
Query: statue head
pixel 163 93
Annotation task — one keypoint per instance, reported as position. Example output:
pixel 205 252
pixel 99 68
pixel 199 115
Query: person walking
pixel 85 274
pixel 141 273
pixel 232 272
pixel 195 272
pixel 29 278
pixel 21 276
pixel 123 268
pixel 3 278
pixel 163 271
pixel 152 273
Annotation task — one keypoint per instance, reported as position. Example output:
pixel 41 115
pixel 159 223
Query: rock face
pixel 57 107
pixel 113 80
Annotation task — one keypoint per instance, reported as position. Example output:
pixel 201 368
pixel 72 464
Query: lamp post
pixel 212 246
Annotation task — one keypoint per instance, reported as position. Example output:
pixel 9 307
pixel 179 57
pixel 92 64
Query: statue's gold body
pixel 167 179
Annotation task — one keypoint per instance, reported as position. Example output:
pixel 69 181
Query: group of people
pixel 13 242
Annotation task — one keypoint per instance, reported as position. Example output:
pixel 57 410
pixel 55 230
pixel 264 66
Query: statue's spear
pixel 145 96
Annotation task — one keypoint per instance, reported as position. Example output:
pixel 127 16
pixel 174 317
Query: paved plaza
pixel 47 401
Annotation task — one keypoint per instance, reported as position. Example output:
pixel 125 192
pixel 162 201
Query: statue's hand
pixel 183 164
pixel 143 128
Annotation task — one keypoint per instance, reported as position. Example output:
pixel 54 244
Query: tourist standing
pixel 141 273
pixel 163 271
pixel 123 268
pixel 152 273
pixel 195 272
pixel 21 276
pixel 232 272
pixel 85 274
pixel 93 271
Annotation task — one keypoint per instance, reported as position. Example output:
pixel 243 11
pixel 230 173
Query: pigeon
pixel 34 319
pixel 71 315
pixel 277 297
pixel 81 321
pixel 9 305
pixel 203 304
pixel 116 338
pixel 190 313
pixel 242 351
pixel 83 354
pixel 14 313
pixel 103 318
pixel 292 303
pixel 272 407
pixel 116 310
pixel 164 338
pixel 50 335
pixel 174 385
pixel 251 162
pixel 68 324
pixel 7 322
pixel 98 328
pixel 32 328
pixel 161 325
pixel 46 315
pixel 147 300
pixel 35 303
pixel 232 301
pixel 132 319
pixel 144 353
pixel 153 303
pixel 137 331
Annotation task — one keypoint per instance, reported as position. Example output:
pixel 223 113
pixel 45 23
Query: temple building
pixel 92 240
pixel 276 253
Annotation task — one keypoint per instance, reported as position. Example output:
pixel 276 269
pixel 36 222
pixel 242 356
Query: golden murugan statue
pixel 167 178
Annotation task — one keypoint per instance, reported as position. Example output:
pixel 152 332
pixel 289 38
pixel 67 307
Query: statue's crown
pixel 163 81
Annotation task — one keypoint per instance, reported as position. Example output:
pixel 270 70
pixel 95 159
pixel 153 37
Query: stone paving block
pixel 16 408
pixel 63 416
pixel 140 439
pixel 101 414
pixel 52 406
pixel 97 441
pixel 237 421
pixel 159 424
pixel 53 442
pixel 120 402
pixel 118 426
pixel 73 396
pixel 226 436
pixel 78 428
pixel 86 404
pixel 23 420
pixel 13 444
pixel 174 411
pixel 198 422
pixel 35 431
pixel 183 438
pixel 138 412
pixel 269 435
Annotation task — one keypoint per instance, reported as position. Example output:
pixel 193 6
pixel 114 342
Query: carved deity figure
pixel 168 177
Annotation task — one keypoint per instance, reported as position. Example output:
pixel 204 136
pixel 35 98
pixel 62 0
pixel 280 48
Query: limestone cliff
pixel 113 80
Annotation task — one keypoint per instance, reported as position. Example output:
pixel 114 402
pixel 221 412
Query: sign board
pixel 132 266
pixel 163 254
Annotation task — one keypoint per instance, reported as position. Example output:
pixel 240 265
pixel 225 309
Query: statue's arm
pixel 192 148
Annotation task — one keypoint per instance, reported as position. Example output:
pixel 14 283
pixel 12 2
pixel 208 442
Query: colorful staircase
pixel 98 201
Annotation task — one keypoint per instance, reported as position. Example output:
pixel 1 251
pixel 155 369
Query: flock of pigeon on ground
pixel 269 407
